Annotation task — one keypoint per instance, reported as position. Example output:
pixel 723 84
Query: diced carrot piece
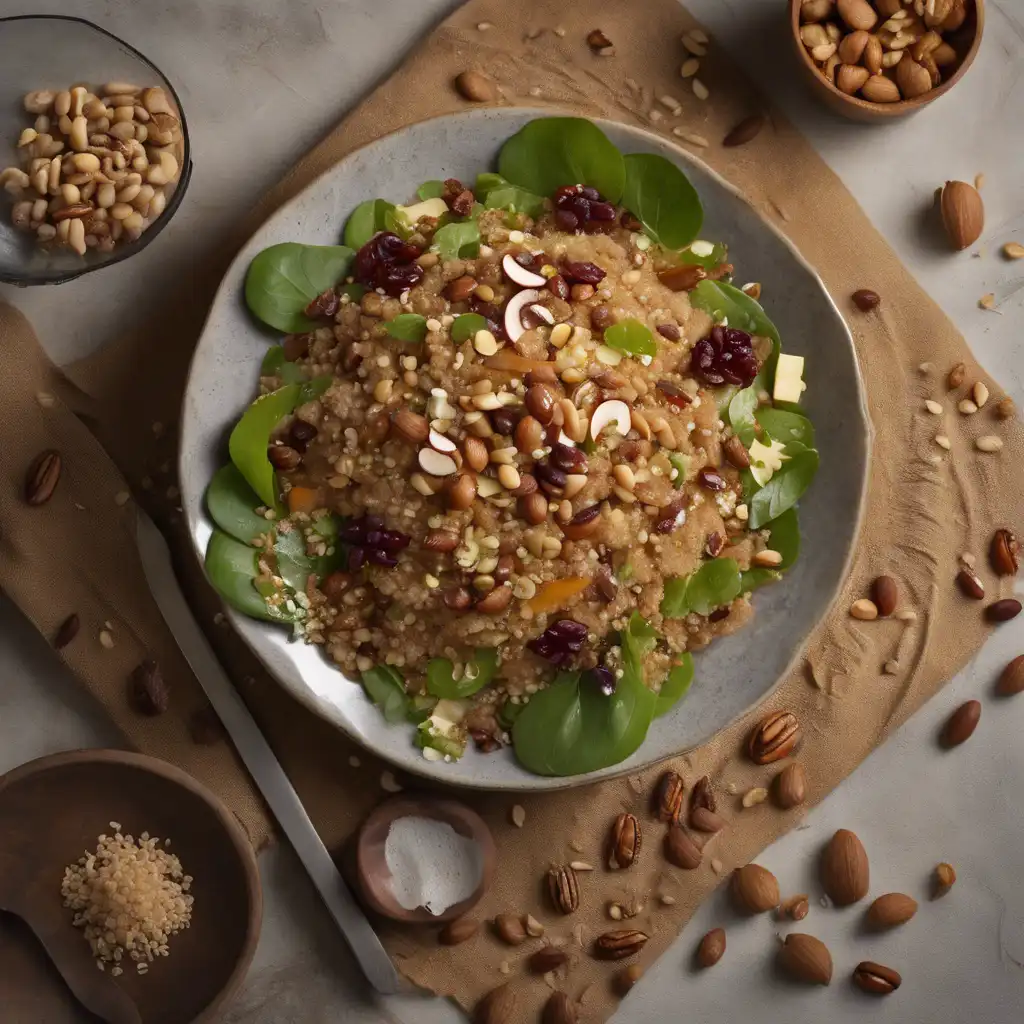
pixel 303 499
pixel 506 359
pixel 558 593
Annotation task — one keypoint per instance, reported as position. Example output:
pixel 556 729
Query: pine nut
pixel 121 88
pixel 123 114
pixel 121 211
pixel 39 209
pixel 864 609
pixel 508 477
pixel 128 193
pixel 71 194
pixel 989 443
pixel 560 334
pixel 61 103
pixel 105 196
pixel 124 130
pixel 86 163
pixel 767 559
pixel 53 178
pixel 980 393
pixel 46 232
pixel 38 102
pixel 624 476
pixel 134 225
pixel 77 96
pixel 76 236
pixel 144 198
pixel 141 132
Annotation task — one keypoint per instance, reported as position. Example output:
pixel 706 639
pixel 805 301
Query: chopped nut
pixel 864 609
pixel 1013 251
pixel 988 301
pixel 942 441
pixel 754 796
pixel 518 815
pixel 700 90
pixel 988 443
pixel 933 407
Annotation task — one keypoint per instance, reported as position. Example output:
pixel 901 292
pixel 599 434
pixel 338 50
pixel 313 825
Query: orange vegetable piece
pixel 558 593
pixel 303 499
pixel 506 359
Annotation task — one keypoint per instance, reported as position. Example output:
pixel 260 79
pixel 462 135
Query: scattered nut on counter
pixel 98 167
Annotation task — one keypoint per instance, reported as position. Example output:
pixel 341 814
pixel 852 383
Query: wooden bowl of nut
pixel 871 60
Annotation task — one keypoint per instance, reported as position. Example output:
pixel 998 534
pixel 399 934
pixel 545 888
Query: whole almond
pixel 746 130
pixel 876 979
pixel 886 595
pixel 681 850
pixel 42 477
pixel 850 78
pixel 878 88
pixel 963 213
pixel 961 724
pixel 458 931
pixel 711 948
pixel 66 631
pixel 624 842
pixel 774 737
pixel 806 959
pixel 956 376
pixel 755 889
pixel 510 929
pixel 618 944
pixel 147 690
pixel 475 87
pixel 704 820
pixel 970 585
pixel 845 873
pixel 1011 679
pixel 668 797
pixel 559 1009
pixel 858 14
pixel 1003 552
pixel 497 1007
pixel 866 300
pixel 872 56
pixel 912 78
pixel 892 909
pixel 851 49
pixel 411 425
pixel 943 880
pixel 548 958
pixel 791 786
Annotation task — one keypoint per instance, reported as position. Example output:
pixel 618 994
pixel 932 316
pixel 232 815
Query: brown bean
pixel 582 292
pixel 1004 610
pixel 460 289
pixel 534 507
pixel 458 599
pixel 527 485
pixel 411 425
pixel 503 570
pixel 441 540
pixel 529 434
pixel 540 402
pixel 476 454
pixel 584 524
pixel 669 331
pixel 682 278
pixel 601 318
pixel 336 584
pixel 495 602
pixel 961 724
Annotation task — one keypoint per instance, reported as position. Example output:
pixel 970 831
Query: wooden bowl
pixel 966 41
pixel 51 812
pixel 372 870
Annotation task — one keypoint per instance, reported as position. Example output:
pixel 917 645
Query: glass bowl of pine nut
pixel 94 150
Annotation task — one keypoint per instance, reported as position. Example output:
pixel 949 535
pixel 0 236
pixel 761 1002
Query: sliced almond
pixel 519 274
pixel 439 442
pixel 514 312
pixel 613 412
pixel 436 463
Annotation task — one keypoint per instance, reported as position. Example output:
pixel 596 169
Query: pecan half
pixel 619 944
pixel 774 738
pixel 703 795
pixel 668 797
pixel 564 889
pixel 624 842
pixel 1003 552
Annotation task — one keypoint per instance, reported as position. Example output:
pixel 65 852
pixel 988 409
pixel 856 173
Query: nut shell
pixel 755 889
pixel 774 738
pixel 892 909
pixel 806 958
pixel 845 873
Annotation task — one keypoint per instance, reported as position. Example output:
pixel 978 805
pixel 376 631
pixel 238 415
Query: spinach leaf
pixel 460 240
pixel 284 279
pixel 407 327
pixel 231 503
pixel 571 727
pixel 715 258
pixel 784 537
pixel 784 489
pixel 742 415
pixel 432 189
pixel 354 291
pixel 632 337
pixel 421 707
pixel 787 427
pixel 508 713
pixel 232 567
pixel 248 443
pixel 757 577
pixel 294 566
pixel 466 326
pixel 384 686
pixel 661 197
pixel 713 585
pixel 498 194
pixel 479 672
pixel 675 686
pixel 720 299
pixel 366 220
pixel 275 365
pixel 554 151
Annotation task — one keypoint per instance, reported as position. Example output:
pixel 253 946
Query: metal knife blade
pixel 264 767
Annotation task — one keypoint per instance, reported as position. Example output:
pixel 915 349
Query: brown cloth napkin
pixel 925 506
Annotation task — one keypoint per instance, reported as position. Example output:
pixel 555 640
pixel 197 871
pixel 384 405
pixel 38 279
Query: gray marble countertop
pixel 262 80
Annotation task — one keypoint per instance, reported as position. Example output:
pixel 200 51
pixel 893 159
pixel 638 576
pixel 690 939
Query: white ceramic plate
pixel 735 673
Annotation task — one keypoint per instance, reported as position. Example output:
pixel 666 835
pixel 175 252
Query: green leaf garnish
pixel 681 464
pixel 459 240
pixel 554 151
pixel 407 327
pixel 386 689
pixel 675 686
pixel 366 220
pixel 275 365
pixel 432 189
pixel 784 489
pixel 716 257
pixel 232 567
pixel 741 412
pixel 632 337
pixel 712 586
pixel 478 673
pixel 791 428
pixel 466 326
pixel 284 279
pixel 231 503
pixel 498 194
pixel 661 197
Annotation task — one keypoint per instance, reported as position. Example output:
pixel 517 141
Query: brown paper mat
pixel 924 506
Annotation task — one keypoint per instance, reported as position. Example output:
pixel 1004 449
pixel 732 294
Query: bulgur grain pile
pixel 129 896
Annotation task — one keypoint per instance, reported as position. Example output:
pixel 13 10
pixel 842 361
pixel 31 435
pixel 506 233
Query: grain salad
pixel 517 462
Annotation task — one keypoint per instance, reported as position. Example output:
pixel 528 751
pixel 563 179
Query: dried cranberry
pixel 712 480
pixel 388 263
pixel 484 741
pixel 673 395
pixel 720 613
pixel 671 516
pixel 300 434
pixel 550 477
pixel 566 220
pixel 558 286
pixel 504 421
pixel 369 541
pixel 324 305
pixel 560 641
pixel 583 273
pixel 580 208
pixel 602 211
pixel 603 678
pixel 727 357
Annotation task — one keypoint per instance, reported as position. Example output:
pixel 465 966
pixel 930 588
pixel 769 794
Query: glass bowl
pixel 55 52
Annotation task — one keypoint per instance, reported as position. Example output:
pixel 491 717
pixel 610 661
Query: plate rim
pixel 539 783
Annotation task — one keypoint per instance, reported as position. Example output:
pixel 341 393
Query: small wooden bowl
pixel 53 809
pixel 372 869
pixel 966 41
